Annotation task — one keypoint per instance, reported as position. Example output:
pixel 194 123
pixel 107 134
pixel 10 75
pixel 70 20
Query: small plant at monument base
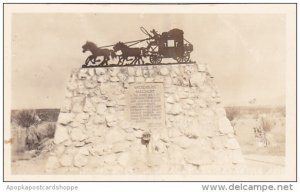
pixel 232 113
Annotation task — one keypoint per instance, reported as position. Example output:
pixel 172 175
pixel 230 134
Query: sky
pixel 245 52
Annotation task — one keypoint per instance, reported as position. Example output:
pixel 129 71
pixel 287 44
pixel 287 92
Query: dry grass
pixel 26 118
pixel 267 124
pixel 31 130
pixel 232 113
pixel 270 122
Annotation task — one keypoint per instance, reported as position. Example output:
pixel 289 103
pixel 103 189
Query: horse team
pixel 135 55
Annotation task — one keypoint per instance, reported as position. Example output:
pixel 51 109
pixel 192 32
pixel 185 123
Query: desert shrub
pixel 32 138
pixel 49 115
pixel 32 131
pixel 36 135
pixel 18 141
pixel 46 130
pixel 26 118
pixel 232 113
pixel 46 145
pixel 51 130
pixel 266 124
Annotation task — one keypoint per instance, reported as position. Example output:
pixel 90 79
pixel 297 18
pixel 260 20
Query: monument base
pixel 143 120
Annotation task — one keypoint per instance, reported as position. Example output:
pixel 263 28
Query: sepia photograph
pixel 144 92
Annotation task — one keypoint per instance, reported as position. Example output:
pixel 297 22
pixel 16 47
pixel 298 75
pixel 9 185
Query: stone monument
pixel 160 119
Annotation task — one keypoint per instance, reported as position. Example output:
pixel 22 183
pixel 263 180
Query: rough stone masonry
pixel 107 111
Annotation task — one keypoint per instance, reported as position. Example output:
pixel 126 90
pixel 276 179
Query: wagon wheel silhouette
pixel 155 58
pixel 185 58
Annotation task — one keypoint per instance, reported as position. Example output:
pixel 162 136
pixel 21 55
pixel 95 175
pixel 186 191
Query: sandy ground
pixel 29 167
pixel 255 164
pixel 264 165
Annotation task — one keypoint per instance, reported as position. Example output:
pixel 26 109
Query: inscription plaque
pixel 146 104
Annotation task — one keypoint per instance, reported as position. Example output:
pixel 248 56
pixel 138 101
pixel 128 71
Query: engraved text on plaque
pixel 146 104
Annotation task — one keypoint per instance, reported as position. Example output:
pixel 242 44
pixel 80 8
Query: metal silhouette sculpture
pixel 97 52
pixel 127 52
pixel 171 44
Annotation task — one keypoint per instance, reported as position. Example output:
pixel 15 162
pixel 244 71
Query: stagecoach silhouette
pixel 171 44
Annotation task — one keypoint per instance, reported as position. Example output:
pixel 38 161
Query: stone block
pixel 90 84
pixel 65 118
pixel 232 144
pixel 59 150
pixel 171 99
pixel 176 109
pixel 120 147
pixel 173 132
pixel 77 107
pixel 183 142
pixel 114 135
pixel 110 159
pixel 101 108
pixel 77 135
pixel 138 72
pixel 61 134
pixel 110 120
pixel 83 151
pixel 66 160
pixel 100 71
pixel 164 71
pixel 52 163
pixel 72 85
pixel 111 103
pixel 225 126
pixel 131 71
pixel 67 106
pixel 89 106
pixel 114 79
pixel 139 79
pixel 130 79
pixel 99 119
pixel 124 159
pixel 195 156
pixel 103 79
pixel 197 79
pixel 82 117
pixel 80 160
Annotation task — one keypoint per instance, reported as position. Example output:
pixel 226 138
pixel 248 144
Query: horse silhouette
pixel 97 52
pixel 127 52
